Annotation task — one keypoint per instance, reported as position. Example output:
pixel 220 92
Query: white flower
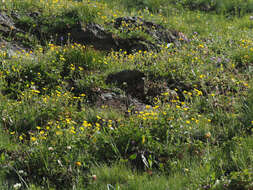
pixel 69 147
pixel 17 185
pixel 50 148
pixel 169 45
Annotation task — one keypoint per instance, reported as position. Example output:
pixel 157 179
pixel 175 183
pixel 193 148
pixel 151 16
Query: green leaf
pixel 133 156
pixel 2 157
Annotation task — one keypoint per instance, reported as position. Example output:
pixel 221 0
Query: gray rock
pixel 12 48
pixel 7 25
pixel 119 102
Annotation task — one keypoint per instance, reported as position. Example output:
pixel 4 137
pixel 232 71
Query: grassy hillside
pixel 182 120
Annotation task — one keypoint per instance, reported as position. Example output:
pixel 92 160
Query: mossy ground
pixel 54 136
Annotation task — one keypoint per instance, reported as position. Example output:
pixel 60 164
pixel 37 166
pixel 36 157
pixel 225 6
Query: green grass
pixel 56 132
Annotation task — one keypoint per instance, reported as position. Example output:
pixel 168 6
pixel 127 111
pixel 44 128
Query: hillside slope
pixel 126 94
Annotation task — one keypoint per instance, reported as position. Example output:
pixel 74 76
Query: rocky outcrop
pixel 159 34
pixel 9 29
pixel 118 101
pixel 100 38
pixel 11 48
pixel 97 36
pixel 6 24
pixel 132 81
pixel 137 86
pixel 92 33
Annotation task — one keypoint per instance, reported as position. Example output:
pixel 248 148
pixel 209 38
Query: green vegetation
pixel 195 128
pixel 220 6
